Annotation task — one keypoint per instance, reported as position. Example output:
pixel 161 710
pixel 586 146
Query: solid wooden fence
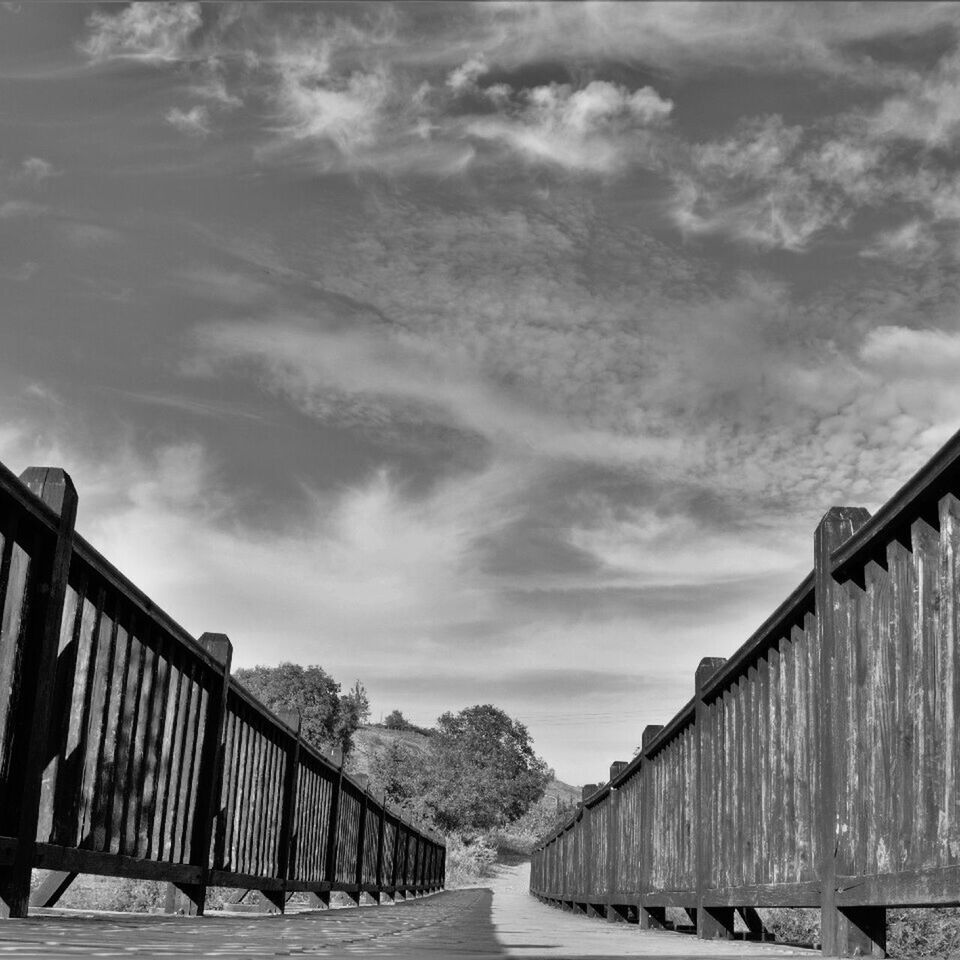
pixel 127 749
pixel 818 766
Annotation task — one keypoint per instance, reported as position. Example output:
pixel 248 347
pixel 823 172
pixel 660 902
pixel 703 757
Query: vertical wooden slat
pixel 67 805
pixel 123 793
pixel 136 800
pixel 61 704
pixel 96 728
pixel 170 766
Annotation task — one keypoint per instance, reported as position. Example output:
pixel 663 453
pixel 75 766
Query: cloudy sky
pixel 486 353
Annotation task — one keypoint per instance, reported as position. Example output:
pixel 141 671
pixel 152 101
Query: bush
pixel 468 862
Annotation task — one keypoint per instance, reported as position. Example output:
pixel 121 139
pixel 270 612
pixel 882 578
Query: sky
pixel 486 353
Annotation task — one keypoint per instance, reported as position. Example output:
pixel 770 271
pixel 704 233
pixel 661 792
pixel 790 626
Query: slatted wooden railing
pixel 126 748
pixel 819 766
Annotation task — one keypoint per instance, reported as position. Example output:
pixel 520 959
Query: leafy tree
pixel 479 773
pixel 395 720
pixel 405 775
pixel 328 718
pixel 486 773
pixel 354 712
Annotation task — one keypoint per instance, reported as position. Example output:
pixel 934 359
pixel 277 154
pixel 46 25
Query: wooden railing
pixel 127 749
pixel 819 766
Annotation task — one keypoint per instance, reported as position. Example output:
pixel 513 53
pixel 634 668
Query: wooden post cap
pixel 218 645
pixel 649 732
pixel 616 767
pixel 53 486
pixel 588 790
pixel 362 779
pixel 707 667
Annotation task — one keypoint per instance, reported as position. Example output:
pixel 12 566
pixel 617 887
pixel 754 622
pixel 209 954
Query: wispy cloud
pixel 593 129
pixel 36 169
pixel 194 122
pixel 148 32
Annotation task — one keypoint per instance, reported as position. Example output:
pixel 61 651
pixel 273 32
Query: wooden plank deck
pixel 475 924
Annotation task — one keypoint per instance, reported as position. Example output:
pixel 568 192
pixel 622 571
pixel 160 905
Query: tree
pixel 485 773
pixel 354 712
pixel 395 720
pixel 405 776
pixel 328 719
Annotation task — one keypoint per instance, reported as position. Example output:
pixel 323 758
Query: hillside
pixel 372 740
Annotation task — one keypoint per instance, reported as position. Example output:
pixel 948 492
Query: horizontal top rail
pixel 677 723
pixel 788 614
pixel 102 567
pixel 916 499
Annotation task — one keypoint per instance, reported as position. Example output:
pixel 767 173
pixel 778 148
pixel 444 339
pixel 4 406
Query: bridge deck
pixel 478 924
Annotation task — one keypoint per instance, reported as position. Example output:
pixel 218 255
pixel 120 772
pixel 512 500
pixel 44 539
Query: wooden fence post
pixel 713 923
pixel 649 918
pixel 859 931
pixel 209 780
pixel 32 690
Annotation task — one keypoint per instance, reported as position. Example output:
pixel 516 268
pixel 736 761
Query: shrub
pixel 468 862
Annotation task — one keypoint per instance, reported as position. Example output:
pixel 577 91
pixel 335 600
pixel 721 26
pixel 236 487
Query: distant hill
pixel 372 740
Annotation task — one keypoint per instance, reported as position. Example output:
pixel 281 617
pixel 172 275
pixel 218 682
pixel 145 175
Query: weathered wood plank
pixel 948 686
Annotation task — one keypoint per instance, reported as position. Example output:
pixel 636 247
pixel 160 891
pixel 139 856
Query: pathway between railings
pixel 501 921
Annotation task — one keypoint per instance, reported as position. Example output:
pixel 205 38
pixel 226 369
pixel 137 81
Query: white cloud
pixel 365 564
pixel 926 111
pixel 11 209
pixel 757 187
pixel 465 77
pixel 911 242
pixel 194 122
pixel 148 32
pixel 592 129
pixel 346 111
pixel 640 547
pixel 363 379
pixel 904 352
pixel 36 169
pixel 85 235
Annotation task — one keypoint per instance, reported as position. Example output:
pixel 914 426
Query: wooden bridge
pixel 127 749
pixel 817 766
